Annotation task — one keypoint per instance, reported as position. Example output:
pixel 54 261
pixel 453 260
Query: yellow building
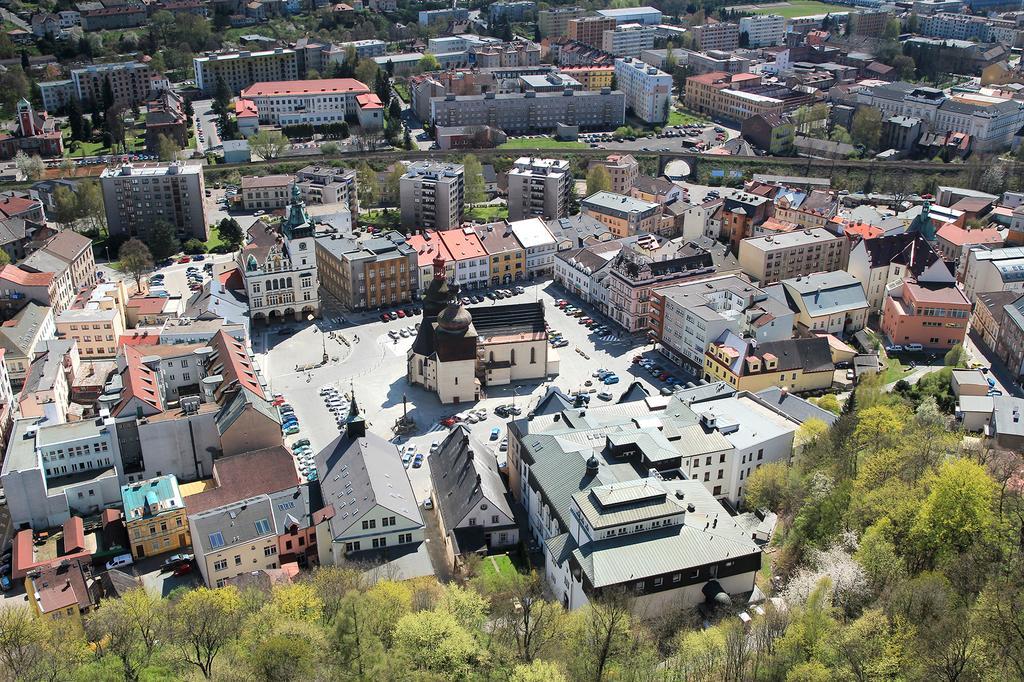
pixel 60 592
pixel 154 515
pixel 95 329
pixel 506 256
pixel 591 77
pixel 798 365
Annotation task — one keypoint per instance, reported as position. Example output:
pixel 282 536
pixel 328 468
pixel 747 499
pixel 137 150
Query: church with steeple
pixel 458 351
pixel 278 265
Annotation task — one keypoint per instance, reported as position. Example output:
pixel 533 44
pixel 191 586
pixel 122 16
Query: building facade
pixel 648 90
pixel 154 516
pixel 773 258
pixel 532 112
pixel 239 70
pixel 432 195
pixel 137 197
pixel 538 188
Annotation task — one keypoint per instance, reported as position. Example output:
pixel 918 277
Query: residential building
pixel 18 286
pixel 648 90
pixel 829 302
pixel 305 102
pixel 95 330
pixel 432 195
pixel 881 261
pixel 470 498
pixel 987 317
pixel 655 190
pixel 577 231
pixel 592 78
pixel 369 503
pixel 329 185
pixel 936 55
pixel 519 10
pixel 138 196
pixel 57 95
pixel 472 264
pixel 239 70
pixel 934 316
pixel 132 83
pixel 444 16
pixel 154 516
pixel 367 274
pixel 723 36
pixel 67 252
pixel 796 365
pixel 1009 345
pixel 698 62
pixel 428 248
pixel 590 30
pixel 165 116
pixel 954 241
pixel 762 30
pixel 733 97
pixel 532 112
pixel 538 187
pixel 506 254
pixel 554 22
pixel 266 192
pixel 279 266
pixel 772 258
pixel 624 215
pixel 687 318
pixel 22 336
pixel 55 470
pixel 46 391
pixel 365 49
pixel 989 269
pixel 623 170
pixel 582 270
pixel 647 16
pixel 538 244
pixel 769 132
pixel 61 592
pixel 741 211
pixel 104 16
pixel 236 538
pixel 628 40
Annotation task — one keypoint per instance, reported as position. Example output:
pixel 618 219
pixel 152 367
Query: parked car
pixel 174 560
pixel 495 432
pixel 611 379
pixel 120 561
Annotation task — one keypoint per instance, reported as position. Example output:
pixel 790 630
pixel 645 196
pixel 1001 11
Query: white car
pixel 434 446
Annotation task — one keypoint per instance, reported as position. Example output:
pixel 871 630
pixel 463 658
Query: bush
pixel 194 246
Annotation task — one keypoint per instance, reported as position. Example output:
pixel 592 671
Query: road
pixel 205 120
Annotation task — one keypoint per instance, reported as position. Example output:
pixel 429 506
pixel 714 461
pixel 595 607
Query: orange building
pixel 933 316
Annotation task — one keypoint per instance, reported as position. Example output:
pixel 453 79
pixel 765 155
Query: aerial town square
pixel 390 340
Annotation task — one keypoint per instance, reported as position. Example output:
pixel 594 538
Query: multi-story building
pixel 367 274
pixel 511 11
pixel 882 261
pixel 154 516
pixel 472 264
pixel 165 116
pixel 648 90
pixel 132 83
pixel 279 266
pixel 722 35
pixel 762 30
pixel 365 49
pixel 554 22
pixel 624 215
pixel 770 132
pixel 22 336
pixel 829 302
pixel 538 243
pixel 538 187
pixel 239 70
pixel 507 255
pixel 138 196
pixel 592 78
pixel 936 55
pixel 298 102
pixel 733 97
pixel 519 53
pixel 623 170
pixel 46 392
pixel 590 30
pixel 429 247
pixel 432 195
pixel 1009 346
pixel 868 23
pixel 57 95
pixel 266 192
pixel 95 330
pixel 582 270
pixel 949 25
pixel 52 471
pixel 628 40
pixel 933 316
pixel 427 17
pixel 988 315
pixel 687 318
pixel 106 16
pixel 532 112
pixel 772 258
pixel 794 365
pixel 329 185
pixel 647 16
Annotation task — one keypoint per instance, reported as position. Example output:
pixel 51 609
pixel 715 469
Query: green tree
pixel 194 246
pixel 829 402
pixel 601 637
pixel 699 655
pixel 877 553
pixel 167 149
pixel 957 511
pixel 768 487
pixel 474 178
pixel 436 642
pixel 356 645
pixel 136 259
pixel 366 72
pixel 67 213
pixel 392 184
pixel 282 657
pixel 428 62
pixel 537 671
pixel 956 356
pixel 75 119
pixel 203 622
pixel 268 144
pixel 128 628
pixel 230 232
pixel 368 184
pixel 866 128
pixel 32 167
pixel 891 30
pixel 905 67
pixel 810 671
pixel 598 179
pixel 91 209
pixel 1000 617
pixel 163 240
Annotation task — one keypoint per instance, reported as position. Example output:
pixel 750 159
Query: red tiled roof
pixel 369 101
pixel 11 206
pixel 231 279
pixel 858 229
pixel 137 339
pixel 147 305
pixel 246 475
pixel 15 274
pixel 428 249
pixel 245 108
pixel 234 364
pixel 462 244
pixel 958 236
pixel 139 381
pixel 323 86
pixel 74 534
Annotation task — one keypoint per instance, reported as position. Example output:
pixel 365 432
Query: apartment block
pixel 555 22
pixel 591 77
pixel 647 16
pixel 628 40
pixel 241 69
pixel 329 185
pixel 624 215
pixel 432 196
pixel 138 196
pixel 96 330
pixel 730 96
pixel 266 192
pixel 368 274
pixel 763 30
pixel 722 36
pixel 773 258
pixel 154 516
pixel 131 82
pixel 934 316
pixel 533 112
pixel 590 30
pixel 623 170
pixel 538 188
pixel 648 90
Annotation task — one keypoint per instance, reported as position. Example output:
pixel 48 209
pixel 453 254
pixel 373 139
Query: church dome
pixel 454 318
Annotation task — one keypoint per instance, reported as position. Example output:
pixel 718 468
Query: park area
pixel 797 8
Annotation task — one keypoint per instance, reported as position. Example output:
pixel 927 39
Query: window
pixel 216 540
pixel 220 565
pixel 494 518
pixel 676 577
pixel 658 582
pixel 238 560
pixel 262 526
pixel 721 458
pixel 707 476
pixel 472 521
pixel 639 587
pixel 270 551
pixel 717 490
pixel 372 523
pixel 352 546
pixel 721 473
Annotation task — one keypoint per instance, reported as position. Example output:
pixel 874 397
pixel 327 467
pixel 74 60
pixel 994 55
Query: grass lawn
pixel 403 91
pixel 214 240
pixel 682 118
pixel 541 143
pixel 894 371
pixel 498 564
pixel 486 213
pixel 801 8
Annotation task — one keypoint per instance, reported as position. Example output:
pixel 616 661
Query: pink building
pixel 934 316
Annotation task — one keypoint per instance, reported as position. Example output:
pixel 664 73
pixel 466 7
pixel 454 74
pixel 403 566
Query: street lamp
pixel 323 338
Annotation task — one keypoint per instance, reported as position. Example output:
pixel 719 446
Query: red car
pixel 448 421
pixel 637 359
pixel 184 259
pixel 401 313
pixel 183 568
pixel 385 317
